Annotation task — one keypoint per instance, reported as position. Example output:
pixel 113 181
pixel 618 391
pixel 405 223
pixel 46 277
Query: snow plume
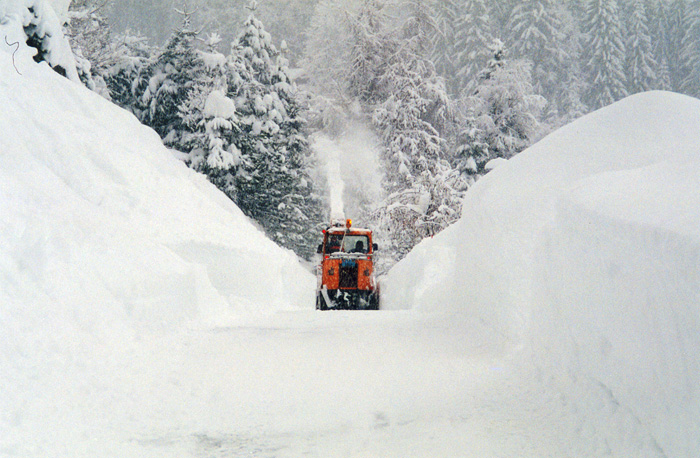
pixel 585 250
pixel 352 169
pixel 330 153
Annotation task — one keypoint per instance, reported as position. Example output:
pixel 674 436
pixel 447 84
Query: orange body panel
pixel 330 265
pixel 331 274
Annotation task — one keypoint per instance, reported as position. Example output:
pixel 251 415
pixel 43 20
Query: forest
pixel 239 91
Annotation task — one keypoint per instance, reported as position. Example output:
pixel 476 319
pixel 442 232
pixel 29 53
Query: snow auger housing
pixel 346 272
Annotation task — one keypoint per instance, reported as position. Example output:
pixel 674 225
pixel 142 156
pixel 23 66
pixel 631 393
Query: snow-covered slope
pixel 89 196
pixel 105 236
pixel 586 249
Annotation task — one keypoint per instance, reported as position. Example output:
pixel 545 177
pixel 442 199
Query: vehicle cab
pixel 345 274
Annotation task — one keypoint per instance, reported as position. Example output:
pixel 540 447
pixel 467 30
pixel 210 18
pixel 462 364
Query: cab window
pixel 355 244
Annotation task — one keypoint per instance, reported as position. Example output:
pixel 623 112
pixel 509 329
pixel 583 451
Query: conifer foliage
pixel 43 32
pixel 691 53
pixel 605 55
pixel 429 79
pixel 168 82
pixel 274 186
pixel 420 201
pixel 502 114
pixel 473 34
pixel 640 57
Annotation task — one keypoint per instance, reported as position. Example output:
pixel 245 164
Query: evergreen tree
pixel 327 53
pixel 473 35
pixel 420 201
pixel 211 124
pixel 577 10
pixel 44 32
pixel 691 53
pixel 171 77
pixel 372 46
pixel 640 62
pixel 658 32
pixel 676 31
pixel 273 181
pixel 538 34
pixel 444 48
pixel 500 12
pixel 502 116
pixel 605 54
pixel 126 69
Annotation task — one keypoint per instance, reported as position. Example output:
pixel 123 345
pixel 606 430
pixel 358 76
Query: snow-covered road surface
pixel 352 384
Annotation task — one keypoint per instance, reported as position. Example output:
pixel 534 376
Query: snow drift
pixel 586 249
pixel 95 207
pixel 104 235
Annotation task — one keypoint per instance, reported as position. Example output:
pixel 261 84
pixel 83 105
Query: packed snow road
pixel 347 384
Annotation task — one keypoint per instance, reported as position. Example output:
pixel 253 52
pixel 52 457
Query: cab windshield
pixel 347 243
pixel 355 244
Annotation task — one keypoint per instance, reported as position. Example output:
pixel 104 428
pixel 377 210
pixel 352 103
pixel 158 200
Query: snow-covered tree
pixel 658 32
pixel 675 33
pixel 126 70
pixel 420 201
pixel 171 77
pixel 327 58
pixel 604 54
pixel 640 61
pixel 500 12
pixel 327 54
pixel 372 47
pixel 538 33
pixel 473 34
pixel 211 124
pixel 43 30
pixel 444 50
pixel 273 180
pixel 501 116
pixel 691 53
pixel 91 41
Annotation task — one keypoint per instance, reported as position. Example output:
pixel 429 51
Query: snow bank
pixel 90 196
pixel 586 249
pixel 104 236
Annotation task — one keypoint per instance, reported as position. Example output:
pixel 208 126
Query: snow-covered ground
pixel 143 315
pixel 585 249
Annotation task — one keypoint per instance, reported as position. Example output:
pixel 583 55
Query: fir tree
pixel 502 115
pixel 444 48
pixel 327 54
pixel 473 35
pixel 44 32
pixel 640 63
pixel 691 53
pixel 420 201
pixel 91 41
pixel 273 181
pixel 605 54
pixel 126 70
pixel 371 49
pixel 211 124
pixel 658 32
pixel 172 76
pixel 538 34
pixel 676 31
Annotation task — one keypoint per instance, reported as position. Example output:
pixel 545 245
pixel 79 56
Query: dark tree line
pixel 447 86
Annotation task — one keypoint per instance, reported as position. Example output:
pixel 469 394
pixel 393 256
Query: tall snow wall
pixel 585 250
pixel 99 217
